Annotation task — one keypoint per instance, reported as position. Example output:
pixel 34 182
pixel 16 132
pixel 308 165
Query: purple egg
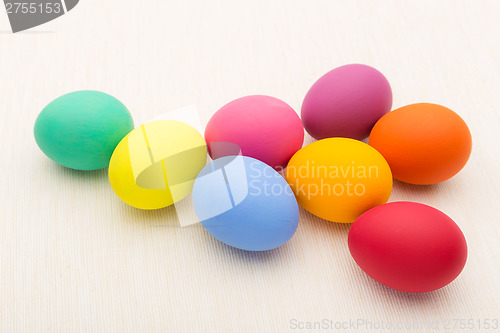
pixel 346 102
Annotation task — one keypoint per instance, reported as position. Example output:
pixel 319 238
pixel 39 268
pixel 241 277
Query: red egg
pixel 408 246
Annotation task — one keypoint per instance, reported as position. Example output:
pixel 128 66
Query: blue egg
pixel 245 203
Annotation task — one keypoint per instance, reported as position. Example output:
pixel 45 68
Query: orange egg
pixel 423 143
pixel 338 179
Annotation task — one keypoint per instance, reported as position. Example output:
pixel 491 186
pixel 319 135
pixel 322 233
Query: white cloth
pixel 74 258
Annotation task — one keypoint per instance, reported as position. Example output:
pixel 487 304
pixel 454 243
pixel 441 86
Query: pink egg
pixel 257 126
pixel 346 102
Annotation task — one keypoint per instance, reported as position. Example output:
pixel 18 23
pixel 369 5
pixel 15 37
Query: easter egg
pixel 338 179
pixel 156 164
pixel 245 203
pixel 81 129
pixel 408 246
pixel 346 102
pixel 261 127
pixel 423 143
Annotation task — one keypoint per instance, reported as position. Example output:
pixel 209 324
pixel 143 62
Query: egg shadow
pixel 402 191
pixel 154 218
pixel 310 220
pixel 227 252
pixel 306 220
pixel 376 292
pixel 216 247
pixel 163 217
pixel 84 176
pixel 286 250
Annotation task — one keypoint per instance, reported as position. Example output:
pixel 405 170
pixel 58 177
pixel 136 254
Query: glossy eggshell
pixel 245 203
pixel 346 102
pixel 338 179
pixel 257 126
pixel 423 143
pixel 156 164
pixel 408 246
pixel 81 129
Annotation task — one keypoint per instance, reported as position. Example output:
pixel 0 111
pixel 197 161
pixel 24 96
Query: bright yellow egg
pixel 156 164
pixel 338 179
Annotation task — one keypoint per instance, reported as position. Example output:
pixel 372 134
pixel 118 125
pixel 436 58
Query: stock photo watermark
pixel 24 15
pixel 347 180
pixel 454 324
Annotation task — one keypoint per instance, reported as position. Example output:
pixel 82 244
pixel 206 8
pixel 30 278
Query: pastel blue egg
pixel 245 203
pixel 80 130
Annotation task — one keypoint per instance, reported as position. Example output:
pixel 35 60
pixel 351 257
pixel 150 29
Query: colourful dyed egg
pixel 408 246
pixel 156 164
pixel 261 127
pixel 245 203
pixel 346 102
pixel 338 179
pixel 423 143
pixel 81 129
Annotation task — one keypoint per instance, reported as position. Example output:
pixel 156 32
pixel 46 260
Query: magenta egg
pixel 346 102
pixel 257 126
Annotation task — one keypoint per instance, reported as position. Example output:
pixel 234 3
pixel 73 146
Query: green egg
pixel 81 129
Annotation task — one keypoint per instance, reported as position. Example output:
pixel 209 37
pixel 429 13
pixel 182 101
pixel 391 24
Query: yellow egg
pixel 339 179
pixel 156 164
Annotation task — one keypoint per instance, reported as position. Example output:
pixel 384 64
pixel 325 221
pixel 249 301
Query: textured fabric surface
pixel 74 258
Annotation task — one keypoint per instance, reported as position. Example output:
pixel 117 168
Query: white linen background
pixel 74 258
